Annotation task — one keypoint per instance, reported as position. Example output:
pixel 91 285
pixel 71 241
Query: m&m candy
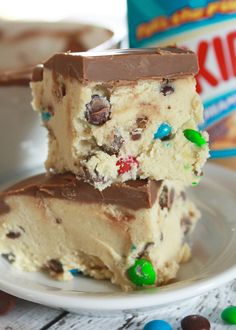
pixel 46 115
pixel 229 315
pixel 142 273
pixel 163 131
pixel 194 137
pixel 195 322
pixel 157 325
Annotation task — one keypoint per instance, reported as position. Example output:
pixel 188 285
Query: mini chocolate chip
pixel 195 172
pixel 98 110
pixel 169 107
pixel 144 250
pixel 136 134
pixel 94 176
pixel 171 197
pixel 166 198
pixel 195 322
pixel 63 89
pixel 163 198
pixel 7 302
pixel 13 234
pixel 10 257
pixel 55 266
pixel 142 122
pixel 115 146
pixel 166 88
pixel 58 220
pixel 186 224
pixel 168 137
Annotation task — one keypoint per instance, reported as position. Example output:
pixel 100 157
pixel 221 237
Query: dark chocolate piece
pixel 166 88
pixel 136 134
pixel 13 234
pixel 10 257
pixel 125 64
pixel 134 195
pixel 166 198
pixel 114 147
pixel 54 266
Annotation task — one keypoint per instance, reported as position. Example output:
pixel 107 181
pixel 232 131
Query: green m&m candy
pixel 195 137
pixel 142 273
pixel 229 315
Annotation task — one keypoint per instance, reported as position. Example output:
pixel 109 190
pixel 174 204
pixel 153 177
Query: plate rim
pixel 111 301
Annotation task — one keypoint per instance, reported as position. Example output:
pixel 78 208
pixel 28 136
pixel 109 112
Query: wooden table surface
pixel 30 316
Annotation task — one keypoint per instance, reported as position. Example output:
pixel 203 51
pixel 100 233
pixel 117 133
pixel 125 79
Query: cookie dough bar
pixel 64 226
pixel 122 115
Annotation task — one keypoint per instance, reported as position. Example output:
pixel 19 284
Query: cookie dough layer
pixel 50 225
pixel 106 131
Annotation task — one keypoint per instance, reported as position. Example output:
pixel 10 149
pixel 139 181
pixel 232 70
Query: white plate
pixel 213 262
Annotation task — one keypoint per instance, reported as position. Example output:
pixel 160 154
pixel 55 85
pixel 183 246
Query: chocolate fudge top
pixel 124 64
pixel 134 195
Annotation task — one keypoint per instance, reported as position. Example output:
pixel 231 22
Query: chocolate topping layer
pixel 132 194
pixel 38 73
pixel 125 64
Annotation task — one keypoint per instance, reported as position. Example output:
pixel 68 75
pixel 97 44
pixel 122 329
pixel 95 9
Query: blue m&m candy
pixel 46 115
pixel 163 131
pixel 75 271
pixel 158 325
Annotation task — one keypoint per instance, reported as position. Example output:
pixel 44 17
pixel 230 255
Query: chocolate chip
pixel 171 197
pixel 166 198
pixel 183 195
pixel 136 134
pixel 10 257
pixel 7 302
pixel 186 224
pixel 161 236
pixel 195 322
pixel 58 220
pixel 163 198
pixel 144 250
pixel 93 177
pixel 114 147
pixel 13 234
pixel 168 137
pixel 55 266
pixel 142 122
pixel 166 88
pixel 63 89
pixel 98 110
pixel 195 172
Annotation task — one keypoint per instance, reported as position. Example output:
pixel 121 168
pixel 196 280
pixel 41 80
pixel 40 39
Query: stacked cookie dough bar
pixel 123 145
